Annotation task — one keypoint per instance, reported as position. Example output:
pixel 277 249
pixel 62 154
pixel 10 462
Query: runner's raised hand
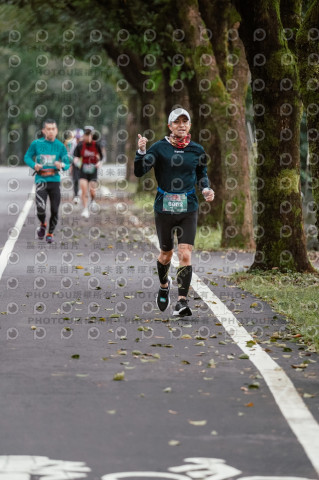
pixel 142 141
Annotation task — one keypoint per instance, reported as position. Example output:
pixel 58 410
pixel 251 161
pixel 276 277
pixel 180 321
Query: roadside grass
pixel 121 185
pixel 294 295
pixel 143 200
pixel 208 238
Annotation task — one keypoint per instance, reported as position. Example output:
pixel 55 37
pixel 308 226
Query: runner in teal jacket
pixel 48 157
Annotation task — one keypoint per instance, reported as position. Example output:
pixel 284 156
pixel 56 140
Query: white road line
pixel 293 408
pixel 15 232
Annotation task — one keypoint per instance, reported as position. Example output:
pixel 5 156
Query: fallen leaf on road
pixel 244 356
pixel 254 385
pixel 119 376
pixel 244 389
pixel 173 443
pixel 137 352
pixel 250 404
pixel 301 365
pixel 211 363
pixel 197 423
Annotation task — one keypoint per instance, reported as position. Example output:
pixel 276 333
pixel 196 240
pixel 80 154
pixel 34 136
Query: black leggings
pixel 76 178
pixel 44 189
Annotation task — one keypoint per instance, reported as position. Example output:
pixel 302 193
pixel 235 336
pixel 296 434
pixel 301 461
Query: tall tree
pixel 280 236
pixel 308 64
pixel 219 112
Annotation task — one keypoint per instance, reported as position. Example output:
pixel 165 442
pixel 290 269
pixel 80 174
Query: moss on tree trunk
pixel 218 112
pixel 280 235
pixel 308 63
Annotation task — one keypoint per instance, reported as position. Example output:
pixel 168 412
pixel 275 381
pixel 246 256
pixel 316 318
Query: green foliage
pixel 71 91
pixel 208 238
pixel 292 294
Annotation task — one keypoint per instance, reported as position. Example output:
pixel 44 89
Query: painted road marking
pixel 201 468
pixel 293 408
pixel 15 232
pixel 24 467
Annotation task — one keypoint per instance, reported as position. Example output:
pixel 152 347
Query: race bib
pixel 88 167
pixel 175 202
pixel 47 160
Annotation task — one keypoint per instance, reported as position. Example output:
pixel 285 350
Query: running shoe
pixel 49 238
pixel 85 213
pixel 94 207
pixel 41 231
pixel 162 298
pixel 182 309
pixel 76 200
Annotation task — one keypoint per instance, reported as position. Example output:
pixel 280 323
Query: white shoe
pixel 85 213
pixel 94 207
pixel 76 200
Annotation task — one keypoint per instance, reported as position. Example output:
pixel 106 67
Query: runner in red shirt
pixel 88 156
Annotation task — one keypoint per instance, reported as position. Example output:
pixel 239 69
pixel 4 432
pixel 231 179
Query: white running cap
pixel 177 113
pixel 88 128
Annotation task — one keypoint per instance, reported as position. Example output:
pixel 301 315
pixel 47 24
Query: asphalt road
pixel 77 314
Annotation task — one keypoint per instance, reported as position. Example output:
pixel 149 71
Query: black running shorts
pixel 90 177
pixel 184 224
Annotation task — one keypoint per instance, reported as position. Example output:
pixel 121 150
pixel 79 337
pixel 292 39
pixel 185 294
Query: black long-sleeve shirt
pixel 177 170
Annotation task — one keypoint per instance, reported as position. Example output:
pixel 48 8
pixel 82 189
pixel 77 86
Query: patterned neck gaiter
pixel 179 142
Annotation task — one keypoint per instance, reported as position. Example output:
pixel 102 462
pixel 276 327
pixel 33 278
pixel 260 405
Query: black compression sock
pixel 184 278
pixel 163 271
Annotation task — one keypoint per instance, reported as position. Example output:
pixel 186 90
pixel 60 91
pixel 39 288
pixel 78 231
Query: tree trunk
pixel 211 97
pixel 174 96
pixel 132 129
pixel 308 63
pixel 280 236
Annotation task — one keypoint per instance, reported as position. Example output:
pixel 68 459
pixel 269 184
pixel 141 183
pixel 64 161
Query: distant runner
pixel 179 165
pixel 88 156
pixel 75 171
pixel 47 156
